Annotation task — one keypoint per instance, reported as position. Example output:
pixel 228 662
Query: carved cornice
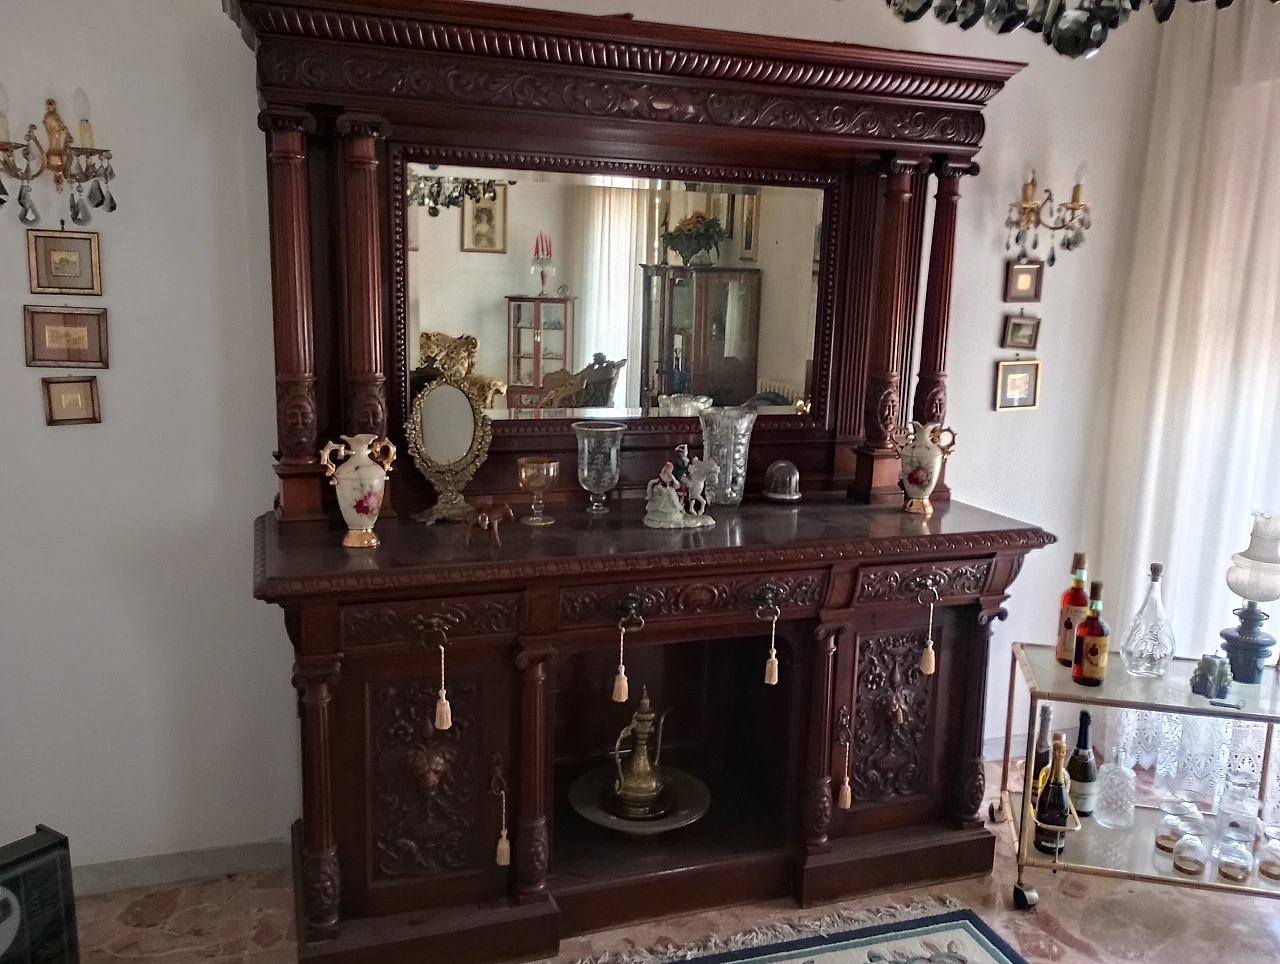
pixel 567 40
pixel 282 588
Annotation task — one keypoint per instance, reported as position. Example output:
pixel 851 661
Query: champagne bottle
pixel 1075 603
pixel 1083 770
pixel 1052 808
pixel 1044 750
pixel 1043 777
pixel 1093 638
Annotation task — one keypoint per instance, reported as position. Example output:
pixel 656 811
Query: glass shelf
pixel 1171 693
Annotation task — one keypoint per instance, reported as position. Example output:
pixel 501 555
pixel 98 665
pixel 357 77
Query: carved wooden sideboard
pixel 396 849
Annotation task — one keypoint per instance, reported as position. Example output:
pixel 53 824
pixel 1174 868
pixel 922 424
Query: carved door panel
pixel 417 823
pixel 896 723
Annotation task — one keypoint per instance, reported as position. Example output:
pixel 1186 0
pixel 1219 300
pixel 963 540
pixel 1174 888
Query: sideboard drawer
pixel 798 593
pixel 422 620
pixel 952 580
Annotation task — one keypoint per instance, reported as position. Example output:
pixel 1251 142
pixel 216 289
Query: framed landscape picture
pixel 484 224
pixel 71 401
pixel 64 263
pixel 1017 386
pixel 1021 333
pixel 65 337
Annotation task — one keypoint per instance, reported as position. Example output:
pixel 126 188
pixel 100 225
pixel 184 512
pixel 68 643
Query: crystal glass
pixel 726 435
pixel 1238 809
pixel 1117 796
pixel 1169 829
pixel 1269 858
pixel 537 473
pixel 1149 645
pixel 1191 852
pixel 1235 857
pixel 599 447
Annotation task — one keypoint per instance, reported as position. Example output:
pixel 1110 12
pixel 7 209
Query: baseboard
pixel 170 868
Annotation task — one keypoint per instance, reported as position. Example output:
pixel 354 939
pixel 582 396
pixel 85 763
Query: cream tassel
pixel 771 664
pixel 928 661
pixel 444 714
pixel 621 691
pixel 503 857
pixel 845 800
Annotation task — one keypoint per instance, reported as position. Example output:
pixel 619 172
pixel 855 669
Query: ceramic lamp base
pixel 918 506
pixel 1247 646
pixel 360 539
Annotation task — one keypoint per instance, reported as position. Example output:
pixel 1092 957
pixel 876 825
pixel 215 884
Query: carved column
pixel 532 843
pixel 930 404
pixel 817 803
pixel 364 399
pixel 971 780
pixel 876 469
pixel 298 462
pixel 321 881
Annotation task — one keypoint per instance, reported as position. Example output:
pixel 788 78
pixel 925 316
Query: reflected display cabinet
pixel 539 342
pixel 700 330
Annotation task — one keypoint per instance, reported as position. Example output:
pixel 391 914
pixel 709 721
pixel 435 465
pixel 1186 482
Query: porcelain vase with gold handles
pixel 361 481
pixel 922 451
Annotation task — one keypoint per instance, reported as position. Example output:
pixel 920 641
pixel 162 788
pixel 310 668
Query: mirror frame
pixel 448 478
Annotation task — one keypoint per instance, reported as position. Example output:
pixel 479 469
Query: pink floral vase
pixel 922 453
pixel 361 481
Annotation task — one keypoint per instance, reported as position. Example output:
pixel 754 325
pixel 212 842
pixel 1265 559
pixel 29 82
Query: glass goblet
pixel 599 447
pixel 537 474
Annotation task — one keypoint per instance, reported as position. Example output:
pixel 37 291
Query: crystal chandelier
pixel 1030 213
pixel 1072 29
pixel 68 162
pixel 434 193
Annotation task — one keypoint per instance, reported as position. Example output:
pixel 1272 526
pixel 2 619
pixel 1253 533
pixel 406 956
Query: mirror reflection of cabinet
pixel 700 331
pixel 539 342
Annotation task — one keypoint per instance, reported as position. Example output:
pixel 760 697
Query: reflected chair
pixel 453 357
pixel 592 387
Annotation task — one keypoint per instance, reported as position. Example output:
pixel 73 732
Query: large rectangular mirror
pixel 575 294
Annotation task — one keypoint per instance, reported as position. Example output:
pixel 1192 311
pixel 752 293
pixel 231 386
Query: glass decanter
pixel 1149 646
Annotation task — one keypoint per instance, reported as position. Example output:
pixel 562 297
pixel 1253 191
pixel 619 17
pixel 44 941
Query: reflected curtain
pixel 617 231
pixel 1194 441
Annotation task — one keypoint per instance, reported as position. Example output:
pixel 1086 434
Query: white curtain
pixel 616 225
pixel 1193 445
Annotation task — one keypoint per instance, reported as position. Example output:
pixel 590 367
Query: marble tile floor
pixel 248 919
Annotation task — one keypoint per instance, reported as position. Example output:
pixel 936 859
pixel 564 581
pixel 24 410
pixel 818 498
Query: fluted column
pixel 289 219
pixel 817 806
pixel 364 397
pixel 321 881
pixel 532 841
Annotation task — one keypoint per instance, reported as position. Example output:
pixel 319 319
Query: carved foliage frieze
pixel 427 792
pixel 884 584
pixel 686 598
pixel 420 622
pixel 429 78
pixel 892 714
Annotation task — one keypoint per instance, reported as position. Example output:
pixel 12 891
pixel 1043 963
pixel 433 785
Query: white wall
pixel 143 693
pixel 145 703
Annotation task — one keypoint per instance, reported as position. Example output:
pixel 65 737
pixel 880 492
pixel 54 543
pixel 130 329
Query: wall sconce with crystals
pixel 81 165
pixel 1029 214
pixel 434 193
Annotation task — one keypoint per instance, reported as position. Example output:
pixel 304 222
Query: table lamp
pixel 1255 577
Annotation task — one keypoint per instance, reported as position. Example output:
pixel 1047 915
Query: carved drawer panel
pixel 891 719
pixel 422 620
pixel 905 582
pixel 597 605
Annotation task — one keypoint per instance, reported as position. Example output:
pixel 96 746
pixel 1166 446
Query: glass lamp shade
pixel 1255 573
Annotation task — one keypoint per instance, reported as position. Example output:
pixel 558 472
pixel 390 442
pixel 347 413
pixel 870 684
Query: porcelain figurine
pixel 360 481
pixel 922 453
pixel 676 499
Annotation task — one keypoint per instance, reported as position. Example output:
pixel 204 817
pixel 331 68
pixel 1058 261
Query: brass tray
pixel 689 796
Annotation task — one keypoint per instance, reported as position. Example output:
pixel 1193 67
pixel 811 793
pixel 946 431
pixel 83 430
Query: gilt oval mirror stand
pixel 449 435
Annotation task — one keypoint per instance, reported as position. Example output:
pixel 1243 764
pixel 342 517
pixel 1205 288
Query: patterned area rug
pixel 930 931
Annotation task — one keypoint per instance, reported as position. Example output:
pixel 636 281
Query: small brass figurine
pixel 640 791
pixel 486 518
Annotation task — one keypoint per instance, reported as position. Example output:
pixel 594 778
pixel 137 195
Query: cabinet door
pixel 728 317
pixel 553 342
pixel 522 343
pixel 417 824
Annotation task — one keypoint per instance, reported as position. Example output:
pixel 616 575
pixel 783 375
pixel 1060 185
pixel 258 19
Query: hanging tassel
pixel 621 692
pixel 503 857
pixel 846 794
pixel 928 661
pixel 771 664
pixel 444 714
pixel 845 799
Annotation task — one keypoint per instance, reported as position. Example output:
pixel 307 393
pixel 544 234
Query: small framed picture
pixel 71 401
pixel 1021 332
pixel 1017 386
pixel 749 246
pixel 65 337
pixel 64 263
pixel 1023 280
pixel 484 224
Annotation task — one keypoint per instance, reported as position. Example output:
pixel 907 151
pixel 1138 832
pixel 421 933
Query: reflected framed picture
pixel 1023 280
pixel 484 224
pixel 1021 332
pixel 65 337
pixel 1017 386
pixel 71 401
pixel 64 263
pixel 749 246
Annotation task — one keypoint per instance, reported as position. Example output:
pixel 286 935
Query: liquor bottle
pixel 1093 638
pixel 1052 808
pixel 1044 749
pixel 1043 777
pixel 1075 603
pixel 1149 647
pixel 1083 770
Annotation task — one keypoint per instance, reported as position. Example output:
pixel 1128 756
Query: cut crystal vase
pixel 726 436
pixel 599 446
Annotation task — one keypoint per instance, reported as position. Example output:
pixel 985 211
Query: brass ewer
pixel 639 792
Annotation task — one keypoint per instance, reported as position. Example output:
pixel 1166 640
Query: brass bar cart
pixel 1128 854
